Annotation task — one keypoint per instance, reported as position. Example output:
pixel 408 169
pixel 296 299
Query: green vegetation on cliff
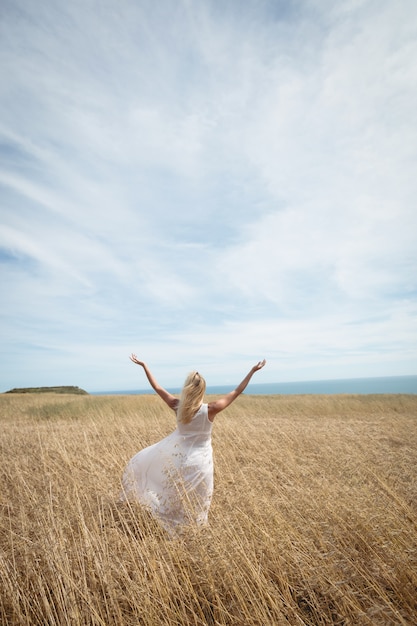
pixel 62 389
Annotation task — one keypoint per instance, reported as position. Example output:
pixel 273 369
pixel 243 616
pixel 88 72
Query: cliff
pixel 62 389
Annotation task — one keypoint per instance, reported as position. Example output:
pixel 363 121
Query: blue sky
pixel 207 184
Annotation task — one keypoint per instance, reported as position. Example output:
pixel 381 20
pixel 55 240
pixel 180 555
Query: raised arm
pixel 167 397
pixel 219 405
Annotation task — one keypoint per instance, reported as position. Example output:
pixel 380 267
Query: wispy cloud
pixel 207 184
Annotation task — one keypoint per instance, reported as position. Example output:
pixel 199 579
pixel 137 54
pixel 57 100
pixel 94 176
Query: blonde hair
pixel 191 397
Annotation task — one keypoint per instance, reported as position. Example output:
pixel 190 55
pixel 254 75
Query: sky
pixel 207 183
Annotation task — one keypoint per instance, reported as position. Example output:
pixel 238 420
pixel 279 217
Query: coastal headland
pixel 60 389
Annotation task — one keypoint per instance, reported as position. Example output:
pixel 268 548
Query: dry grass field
pixel 313 518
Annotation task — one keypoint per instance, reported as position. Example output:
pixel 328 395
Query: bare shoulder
pixel 174 403
pixel 212 411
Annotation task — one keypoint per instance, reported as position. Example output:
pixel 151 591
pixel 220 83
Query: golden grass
pixel 313 518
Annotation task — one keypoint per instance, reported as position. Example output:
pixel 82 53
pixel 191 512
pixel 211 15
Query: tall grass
pixel 313 518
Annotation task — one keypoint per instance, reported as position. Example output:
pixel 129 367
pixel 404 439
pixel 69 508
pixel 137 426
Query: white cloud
pixel 206 184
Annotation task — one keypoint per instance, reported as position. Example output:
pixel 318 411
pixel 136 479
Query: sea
pixel 379 385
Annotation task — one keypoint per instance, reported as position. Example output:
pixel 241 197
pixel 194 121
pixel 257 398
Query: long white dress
pixel 173 478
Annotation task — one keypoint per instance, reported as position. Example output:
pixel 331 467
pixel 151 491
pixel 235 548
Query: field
pixel 313 520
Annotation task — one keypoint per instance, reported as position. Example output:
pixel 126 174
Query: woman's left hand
pixel 135 359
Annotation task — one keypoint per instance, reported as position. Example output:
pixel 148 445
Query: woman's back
pixel 199 427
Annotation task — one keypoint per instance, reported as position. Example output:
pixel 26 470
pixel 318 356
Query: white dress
pixel 174 477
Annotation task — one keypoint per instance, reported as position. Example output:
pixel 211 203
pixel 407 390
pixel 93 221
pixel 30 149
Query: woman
pixel 174 477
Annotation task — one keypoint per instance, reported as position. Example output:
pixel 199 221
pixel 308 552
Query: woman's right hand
pixel 258 366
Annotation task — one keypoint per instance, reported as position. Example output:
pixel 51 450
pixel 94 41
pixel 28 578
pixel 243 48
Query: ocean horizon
pixel 362 386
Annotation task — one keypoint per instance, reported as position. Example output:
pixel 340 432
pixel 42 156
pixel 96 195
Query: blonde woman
pixel 174 477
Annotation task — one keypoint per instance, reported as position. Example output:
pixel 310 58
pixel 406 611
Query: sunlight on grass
pixel 313 518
